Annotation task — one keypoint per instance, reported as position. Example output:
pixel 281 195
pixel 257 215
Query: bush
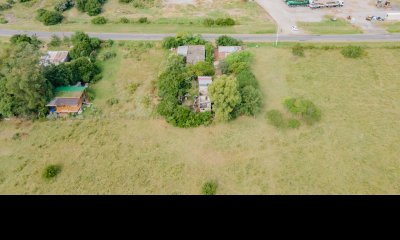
pixel 304 108
pixel 51 171
pixel 228 41
pixel 298 50
pixel 251 101
pixel 238 61
pixel 49 17
pixel 92 7
pixel 5 6
pixel 276 119
pixel 99 20
pixel 21 38
pixel 143 20
pixel 209 53
pixel 208 22
pixel 3 20
pixel 202 69
pixel 293 123
pixel 108 55
pixel 209 188
pixel 64 5
pixel 183 39
pixel 55 41
pixel 112 101
pixel 84 46
pixel 133 87
pixel 84 70
pixel 246 78
pixel 225 22
pixel 353 52
pixel 124 20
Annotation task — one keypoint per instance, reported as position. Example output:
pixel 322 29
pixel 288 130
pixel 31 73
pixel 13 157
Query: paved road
pixel 244 37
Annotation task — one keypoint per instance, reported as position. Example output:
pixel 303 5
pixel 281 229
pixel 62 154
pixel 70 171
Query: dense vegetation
pixel 49 17
pixel 209 22
pixel 91 7
pixel 25 93
pixel 228 41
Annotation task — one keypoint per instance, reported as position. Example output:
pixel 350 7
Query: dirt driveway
pixel 286 17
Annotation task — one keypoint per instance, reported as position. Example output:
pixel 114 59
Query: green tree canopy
pixel 226 97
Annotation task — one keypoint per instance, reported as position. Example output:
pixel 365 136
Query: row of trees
pixel 25 93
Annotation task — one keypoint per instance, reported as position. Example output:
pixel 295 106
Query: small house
pixel 204 101
pixel 193 53
pixel 55 57
pixel 224 51
pixel 68 99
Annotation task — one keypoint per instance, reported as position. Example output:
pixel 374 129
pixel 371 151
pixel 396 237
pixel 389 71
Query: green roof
pixel 69 91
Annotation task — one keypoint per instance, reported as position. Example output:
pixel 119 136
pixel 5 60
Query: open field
pixel 163 19
pixel 125 149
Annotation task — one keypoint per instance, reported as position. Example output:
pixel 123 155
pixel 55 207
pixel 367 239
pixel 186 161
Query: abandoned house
pixel 193 53
pixel 54 57
pixel 203 101
pixel 69 99
pixel 223 51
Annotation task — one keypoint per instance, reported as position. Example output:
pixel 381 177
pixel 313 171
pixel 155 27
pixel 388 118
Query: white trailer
pixel 393 16
pixel 314 4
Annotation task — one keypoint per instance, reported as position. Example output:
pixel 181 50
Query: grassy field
pixel 327 26
pixel 163 19
pixel 126 149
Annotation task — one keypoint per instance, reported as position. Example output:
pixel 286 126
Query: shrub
pixel 22 1
pixel 84 46
pixel 143 20
pixel 246 78
pixel 3 20
pixel 298 50
pixel 251 101
pixel 209 53
pixel 99 20
pixel 276 119
pixel 293 123
pixel 55 41
pixel 108 55
pixel 51 171
pixel 209 188
pixel 49 17
pixel 20 38
pixel 238 61
pixel 124 20
pixel 16 136
pixel 353 52
pixel 208 22
pixel 64 5
pixel 92 7
pixel 112 101
pixel 133 87
pixel 169 42
pixel 225 22
pixel 202 69
pixel 5 6
pixel 228 41
pixel 304 108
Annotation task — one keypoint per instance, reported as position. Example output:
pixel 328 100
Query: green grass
pixel 327 26
pixel 128 150
pixel 251 18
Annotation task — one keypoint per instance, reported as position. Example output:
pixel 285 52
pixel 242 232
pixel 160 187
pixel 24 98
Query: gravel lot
pixel 286 16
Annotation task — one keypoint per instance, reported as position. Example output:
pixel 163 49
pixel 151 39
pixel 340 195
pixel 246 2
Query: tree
pixel 251 101
pixel 226 97
pixel 58 75
pixel 84 46
pixel 26 92
pixel 83 70
pixel 49 17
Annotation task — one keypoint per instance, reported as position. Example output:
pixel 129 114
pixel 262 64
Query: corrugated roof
pixel 67 101
pixel 195 54
pixel 229 49
pixel 182 50
pixel 70 91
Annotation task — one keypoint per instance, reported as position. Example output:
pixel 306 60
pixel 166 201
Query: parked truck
pixel 297 3
pixel 325 3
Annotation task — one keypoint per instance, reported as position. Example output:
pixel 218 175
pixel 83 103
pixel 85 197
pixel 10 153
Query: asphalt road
pixel 244 37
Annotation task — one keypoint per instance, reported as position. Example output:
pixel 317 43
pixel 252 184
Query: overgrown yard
pixel 249 16
pixel 123 150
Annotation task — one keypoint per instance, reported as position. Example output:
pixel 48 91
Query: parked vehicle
pixel 297 3
pixel 314 4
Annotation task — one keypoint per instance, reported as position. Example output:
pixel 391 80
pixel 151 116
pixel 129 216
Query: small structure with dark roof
pixel 55 57
pixel 193 53
pixel 69 99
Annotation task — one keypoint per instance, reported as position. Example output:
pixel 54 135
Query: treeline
pixel 25 93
